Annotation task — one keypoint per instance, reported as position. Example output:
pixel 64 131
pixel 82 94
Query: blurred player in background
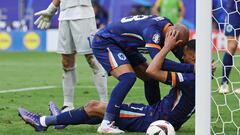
pixel 76 24
pixel 232 32
pixel 115 47
pixel 177 107
pixel 100 14
pixel 172 9
pixel 219 14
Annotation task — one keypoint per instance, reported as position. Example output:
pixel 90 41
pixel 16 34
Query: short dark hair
pixel 191 45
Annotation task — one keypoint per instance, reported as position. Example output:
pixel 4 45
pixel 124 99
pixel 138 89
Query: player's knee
pixel 92 104
pixel 132 77
pixel 232 49
pixel 128 78
pixel 68 61
pixel 92 107
pixel 94 64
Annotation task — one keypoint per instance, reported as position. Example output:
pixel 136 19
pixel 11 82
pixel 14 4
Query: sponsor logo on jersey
pixel 121 56
pixel 156 38
pixel 5 41
pixel 31 40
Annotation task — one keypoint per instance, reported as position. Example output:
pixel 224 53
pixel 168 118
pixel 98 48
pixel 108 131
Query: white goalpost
pixel 203 67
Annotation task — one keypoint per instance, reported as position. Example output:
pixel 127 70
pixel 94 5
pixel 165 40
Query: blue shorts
pixel 111 56
pixel 138 117
pixel 233 23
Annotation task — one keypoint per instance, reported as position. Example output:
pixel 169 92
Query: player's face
pixel 188 56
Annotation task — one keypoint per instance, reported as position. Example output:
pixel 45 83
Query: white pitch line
pixel 49 87
pixel 28 89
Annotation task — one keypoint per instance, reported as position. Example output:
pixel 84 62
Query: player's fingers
pixel 176 34
pixel 40 24
pixel 38 20
pixel 170 33
pixel 173 33
pixel 42 12
pixel 48 25
pixel 167 34
pixel 44 24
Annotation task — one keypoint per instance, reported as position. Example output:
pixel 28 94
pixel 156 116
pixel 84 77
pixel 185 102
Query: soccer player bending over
pixel 177 107
pixel 115 47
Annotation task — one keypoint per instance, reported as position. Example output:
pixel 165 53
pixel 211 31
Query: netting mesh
pixel 225 118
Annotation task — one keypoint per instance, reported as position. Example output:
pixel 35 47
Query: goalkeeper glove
pixel 45 16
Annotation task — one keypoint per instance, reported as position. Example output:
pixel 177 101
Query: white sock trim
pixel 69 104
pixel 105 123
pixel 42 121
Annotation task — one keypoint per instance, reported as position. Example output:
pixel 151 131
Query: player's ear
pixel 179 42
pixel 193 57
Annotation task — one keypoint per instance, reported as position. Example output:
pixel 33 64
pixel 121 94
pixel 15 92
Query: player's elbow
pixel 151 72
pixel 156 74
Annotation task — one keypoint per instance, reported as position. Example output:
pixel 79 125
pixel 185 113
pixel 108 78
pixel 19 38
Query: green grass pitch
pixel 31 70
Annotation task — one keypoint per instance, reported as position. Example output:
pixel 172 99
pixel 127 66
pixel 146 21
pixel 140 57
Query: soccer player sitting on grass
pixel 177 107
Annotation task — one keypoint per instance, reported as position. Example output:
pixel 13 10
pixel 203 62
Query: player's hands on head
pixel 171 39
pixel 45 16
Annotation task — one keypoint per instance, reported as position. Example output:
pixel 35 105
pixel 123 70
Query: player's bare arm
pixel 182 11
pixel 155 8
pixel 56 3
pixel 155 67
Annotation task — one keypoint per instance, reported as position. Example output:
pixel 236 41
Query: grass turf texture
pixel 31 69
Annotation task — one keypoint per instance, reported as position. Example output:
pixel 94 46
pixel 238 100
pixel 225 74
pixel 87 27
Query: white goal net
pixel 225 105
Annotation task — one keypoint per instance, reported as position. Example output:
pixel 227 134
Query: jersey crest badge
pixel 156 38
pixel 121 56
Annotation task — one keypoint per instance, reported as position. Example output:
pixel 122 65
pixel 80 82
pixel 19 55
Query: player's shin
pixel 126 82
pixel 68 82
pixel 100 80
pixel 48 120
pixel 227 66
pixel 99 77
pixel 73 117
pixel 152 91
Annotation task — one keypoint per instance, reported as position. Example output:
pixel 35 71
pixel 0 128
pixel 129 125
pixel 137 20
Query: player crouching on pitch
pixel 177 107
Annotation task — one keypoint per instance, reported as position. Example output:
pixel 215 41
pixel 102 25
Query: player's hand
pixel 214 67
pixel 171 39
pixel 45 16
